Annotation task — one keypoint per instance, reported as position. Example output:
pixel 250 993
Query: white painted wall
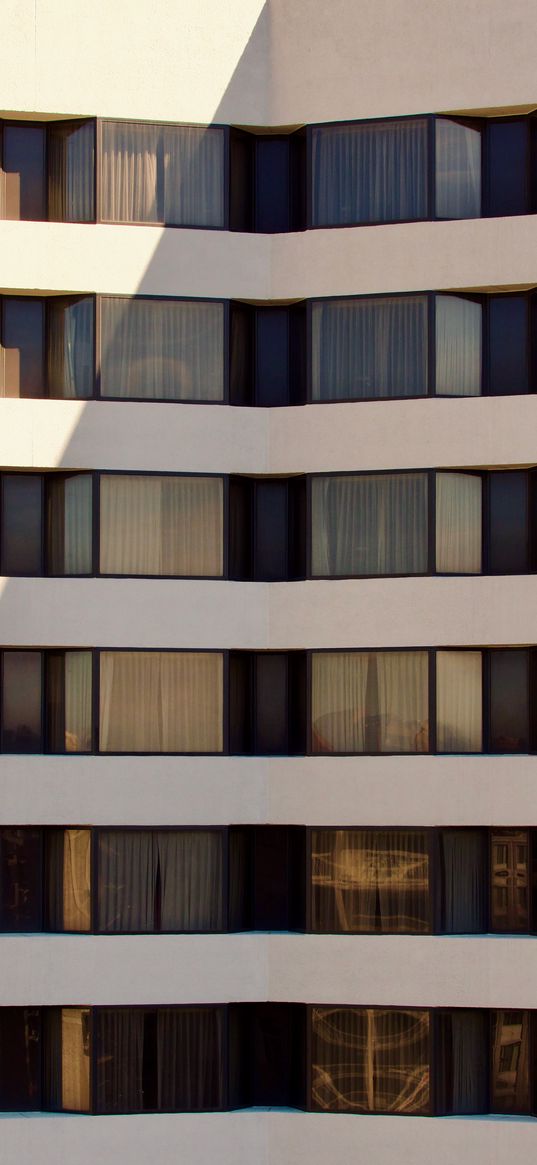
pixel 332 791
pixel 396 970
pixel 270 1137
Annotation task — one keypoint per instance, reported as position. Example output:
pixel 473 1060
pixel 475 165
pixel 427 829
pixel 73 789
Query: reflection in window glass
pixel 458 170
pixel 510 1068
pixel 71 162
pixel 509 701
pixel 370 701
pixel 370 1060
pixel 22 348
pixel 21 524
pixel 369 348
pixel 158 349
pixel 370 880
pixel 69 524
pixel 459 346
pixel 21 702
pixel 153 701
pixel 20 879
pixel 70 355
pixel 161 525
pixel 459 701
pixel 368 525
pixel 369 172
pixel 162 173
pixel 458 523
pixel 509 875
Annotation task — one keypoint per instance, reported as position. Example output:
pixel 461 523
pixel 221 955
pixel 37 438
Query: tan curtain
pixel 75 1059
pixel 458 523
pixel 155 701
pixel 77 879
pixel 370 880
pixel 459 701
pixel 458 346
pixel 78 701
pixel 161 525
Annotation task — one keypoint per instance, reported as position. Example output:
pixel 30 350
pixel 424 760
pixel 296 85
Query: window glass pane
pixel 369 348
pixel 70 354
pixel 370 701
pixel 271 526
pixel 21 702
pixel 75 1028
pixel 458 523
pixel 272 356
pixel 458 170
pixel 508 345
pixel 509 880
pixel 161 525
pixel 155 701
pixel 162 173
pixel 368 525
pixel 370 1060
pixel 272 184
pixel 510 1072
pixel 120 1043
pixel 509 701
pixel 271 704
pixel 71 161
pixel 68 879
pixel 24 168
pixel 162 349
pixel 462 1060
pixel 69 524
pixel 370 880
pixel 508 549
pixel 189 1059
pixel 23 347
pixel 463 881
pixel 20 1055
pixel 20 879
pixel 508 162
pixel 374 172
pixel 459 346
pixel 127 880
pixel 22 524
pixel 459 701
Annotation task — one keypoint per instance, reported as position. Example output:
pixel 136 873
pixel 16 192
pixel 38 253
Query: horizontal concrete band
pixel 218 615
pixel 325 438
pixel 324 791
pixel 269 1137
pixel 394 970
pixel 151 260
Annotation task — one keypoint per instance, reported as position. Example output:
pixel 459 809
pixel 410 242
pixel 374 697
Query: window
pixel 152 525
pixel 370 1060
pixel 155 701
pixel 369 348
pixel 46 701
pixel 166 174
pixel 370 880
pixel 47 171
pixel 160 349
pixel 267 703
pixel 370 702
pixel 371 524
pixel 267 182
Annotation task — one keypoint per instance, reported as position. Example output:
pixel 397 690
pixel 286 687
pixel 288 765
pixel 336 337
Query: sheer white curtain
pixel 458 523
pixel 459 701
pixel 70 358
pixel 372 172
pixel 459 343
pixel 71 161
pixel 162 349
pixel 458 170
pixel 370 701
pixel 78 701
pixel 161 173
pixel 371 524
pixel 369 347
pixel 161 525
pixel 155 701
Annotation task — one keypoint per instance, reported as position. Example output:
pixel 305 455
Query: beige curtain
pixel 78 701
pixel 77 879
pixel 75 1059
pixel 458 523
pixel 459 701
pixel 129 172
pixel 458 346
pixel 370 701
pixel 154 701
pixel 161 525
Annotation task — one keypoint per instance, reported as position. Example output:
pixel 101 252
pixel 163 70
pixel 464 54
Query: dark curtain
pixel 190 1061
pixel 120 1043
pixel 463 864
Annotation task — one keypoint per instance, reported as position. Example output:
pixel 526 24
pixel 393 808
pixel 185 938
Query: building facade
pixel 268 634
